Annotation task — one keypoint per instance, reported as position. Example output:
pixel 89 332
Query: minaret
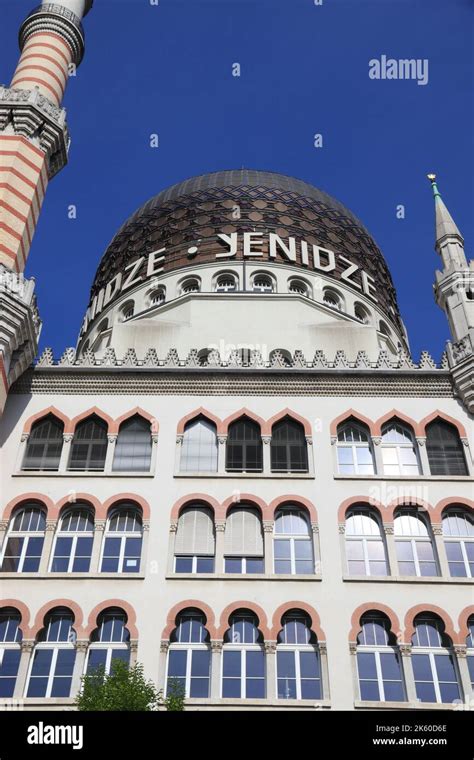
pixel 34 143
pixel 454 293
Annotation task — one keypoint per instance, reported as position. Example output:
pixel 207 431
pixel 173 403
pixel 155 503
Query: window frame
pixel 354 446
pixel 75 535
pixel 398 447
pixel 123 535
pixel 47 443
pixel 25 536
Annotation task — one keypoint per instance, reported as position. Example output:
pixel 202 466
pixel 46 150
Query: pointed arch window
pixel 399 450
pixel 24 542
pixel 89 445
pixel 73 544
pixel 199 447
pixel 365 546
pixel 189 655
pixel 134 446
pixel 434 664
pixel 298 660
pixel 10 650
pixel 244 447
pixel 243 665
pixel 293 545
pixel 379 664
pixel 354 449
pixel 44 446
pixel 445 449
pixel 458 532
pixel 109 642
pixel 414 544
pixel 195 541
pixel 288 447
pixel 243 547
pixel 52 664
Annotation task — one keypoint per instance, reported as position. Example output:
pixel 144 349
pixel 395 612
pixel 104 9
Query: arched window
pixel 298 661
pixel 133 447
pixel 89 446
pixel 199 447
pixel 470 649
pixel 54 656
pixel 292 542
pixel 384 329
pixel 244 447
pixel 243 667
pixel 378 661
pixel 24 542
pixel 189 655
pixel 288 447
pixel 110 641
pixel 73 545
pixel 157 297
pixel 414 544
pixel 263 283
pixel 365 546
pixel 128 310
pixel 399 450
pixel 45 443
pixel 195 541
pixel 332 299
pixel 122 541
pixel 433 660
pixel 361 313
pixel 226 283
pixel 299 287
pixel 354 449
pixel 190 285
pixel 243 541
pixel 10 650
pixel 458 532
pixel 444 449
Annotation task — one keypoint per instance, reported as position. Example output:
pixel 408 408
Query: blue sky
pixel 167 69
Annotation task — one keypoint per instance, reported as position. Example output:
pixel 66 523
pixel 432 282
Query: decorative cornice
pixel 52 17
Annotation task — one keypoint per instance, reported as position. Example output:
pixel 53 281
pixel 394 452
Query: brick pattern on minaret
pixel 34 143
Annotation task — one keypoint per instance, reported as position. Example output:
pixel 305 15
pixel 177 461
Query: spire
pixel 445 224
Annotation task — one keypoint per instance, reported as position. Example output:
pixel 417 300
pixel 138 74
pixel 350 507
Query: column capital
pixel 220 526
pixel 268 526
pixel 405 649
pixel 342 528
pixel 112 438
pixel 216 645
pixel 266 439
pixel 270 647
pixel 51 525
pixel 460 650
pixel 222 439
pixel 67 437
pixel 173 527
pixel 27 645
pixel 24 437
pixel 421 440
pixel 179 439
pixel 376 440
pixel 164 646
pixel 82 645
pixel 99 525
pixel 388 529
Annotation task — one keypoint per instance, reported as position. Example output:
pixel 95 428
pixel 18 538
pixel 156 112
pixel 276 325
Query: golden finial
pixel 431 177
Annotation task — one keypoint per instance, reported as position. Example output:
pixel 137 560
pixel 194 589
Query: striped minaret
pixel 34 143
pixel 33 134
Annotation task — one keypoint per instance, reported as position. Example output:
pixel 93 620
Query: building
pixel 240 477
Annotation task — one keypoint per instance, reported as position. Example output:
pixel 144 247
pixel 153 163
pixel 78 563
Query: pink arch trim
pixel 89 413
pixel 442 416
pixel 24 612
pixel 112 501
pixel 253 607
pixel 73 606
pixel 463 618
pixel 44 413
pixel 378 424
pixel 347 415
pixel 94 502
pixel 452 501
pixel 352 501
pixel 125 606
pixel 201 412
pixel 41 499
pixel 154 426
pixel 186 604
pixel 244 412
pixel 378 607
pixel 243 498
pixel 203 498
pixel 268 425
pixel 417 610
pixel 313 615
pixel 299 501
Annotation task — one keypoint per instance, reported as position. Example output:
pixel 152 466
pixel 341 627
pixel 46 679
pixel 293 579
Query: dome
pixel 187 218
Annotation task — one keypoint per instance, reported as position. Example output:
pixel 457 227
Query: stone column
pixel 82 645
pixel 391 549
pixel 177 455
pixel 99 528
pixel 109 459
pixel 376 441
pixel 342 548
pixel 216 669
pixel 133 652
pixel 3 531
pixel 171 547
pixel 267 464
pixel 270 669
pixel 220 545
pixel 460 651
pixel 164 647
pixel 47 545
pixel 154 452
pixel 221 452
pixel 268 547
pixel 316 552
pixel 323 653
pixel 467 454
pixel 146 563
pixel 334 454
pixel 21 451
pixel 423 455
pixel 405 652
pixel 65 452
pixel 310 450
pixel 437 529
pixel 27 648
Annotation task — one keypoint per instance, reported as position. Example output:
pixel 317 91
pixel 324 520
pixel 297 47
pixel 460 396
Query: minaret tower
pixel 454 293
pixel 34 142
